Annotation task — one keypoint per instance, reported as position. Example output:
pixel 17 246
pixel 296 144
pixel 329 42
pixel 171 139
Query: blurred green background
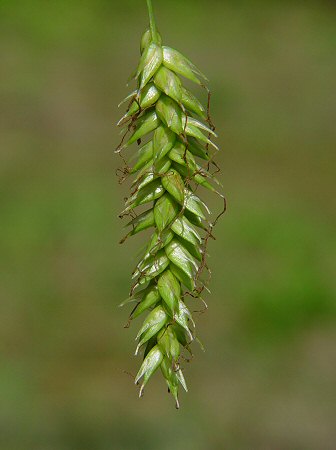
pixel 267 378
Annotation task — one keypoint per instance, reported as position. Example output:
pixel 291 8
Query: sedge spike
pixel 175 134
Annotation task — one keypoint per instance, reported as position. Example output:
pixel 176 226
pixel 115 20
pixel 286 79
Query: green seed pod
pixel 154 266
pixel 183 228
pixel 194 219
pixel 173 183
pixel 170 113
pixel 196 123
pixel 169 83
pixel 138 296
pixel 182 156
pixel 183 277
pixel 194 131
pixel 159 240
pixel 158 315
pixel 147 39
pixel 193 249
pixel 180 377
pixel 147 194
pixel 183 317
pixel 175 61
pixel 165 211
pixel 197 149
pixel 142 222
pixel 170 290
pixel 150 344
pixel 168 172
pixel 195 175
pixel 168 343
pixel 180 334
pixel 193 204
pixel 152 325
pixel 151 172
pixel 150 364
pixel 148 97
pixel 171 379
pixel 192 103
pixel 180 256
pixel 163 141
pixel 150 297
pixel 147 123
pixel 150 62
pixel 144 155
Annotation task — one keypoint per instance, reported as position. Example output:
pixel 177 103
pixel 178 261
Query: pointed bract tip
pixel 120 149
pixel 120 122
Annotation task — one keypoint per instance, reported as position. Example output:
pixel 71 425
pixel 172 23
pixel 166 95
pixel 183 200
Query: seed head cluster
pixel 174 135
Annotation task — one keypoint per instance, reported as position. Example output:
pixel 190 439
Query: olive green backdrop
pixel 267 378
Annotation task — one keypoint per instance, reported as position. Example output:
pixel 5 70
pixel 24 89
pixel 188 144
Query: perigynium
pixel 174 133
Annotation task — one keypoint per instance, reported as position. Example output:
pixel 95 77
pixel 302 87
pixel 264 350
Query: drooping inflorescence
pixel 174 133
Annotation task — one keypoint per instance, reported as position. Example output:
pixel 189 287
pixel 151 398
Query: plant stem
pixel 152 21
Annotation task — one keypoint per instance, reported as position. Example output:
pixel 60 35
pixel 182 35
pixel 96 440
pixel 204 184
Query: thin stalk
pixel 152 21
